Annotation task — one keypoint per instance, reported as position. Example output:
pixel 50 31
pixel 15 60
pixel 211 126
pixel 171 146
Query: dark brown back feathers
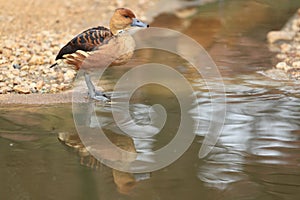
pixel 88 40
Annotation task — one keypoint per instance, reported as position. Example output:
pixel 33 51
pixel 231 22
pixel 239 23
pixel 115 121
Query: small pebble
pixel 32 85
pixel 23 73
pixel 285 47
pixel 16 66
pixel 25 67
pixel 289 47
pixel 15 72
pixel 5 89
pixel 69 76
pixel 17 80
pixel 39 84
pixel 22 89
pixel 3 61
pixel 36 60
pixel 281 56
pixel 274 36
pixel 296 64
pixel 281 65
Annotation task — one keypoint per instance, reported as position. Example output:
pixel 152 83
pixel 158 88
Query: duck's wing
pixel 86 41
pixel 117 51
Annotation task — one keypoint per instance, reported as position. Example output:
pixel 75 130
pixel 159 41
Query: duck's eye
pixel 126 16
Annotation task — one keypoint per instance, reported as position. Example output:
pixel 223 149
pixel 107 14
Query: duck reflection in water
pixel 124 181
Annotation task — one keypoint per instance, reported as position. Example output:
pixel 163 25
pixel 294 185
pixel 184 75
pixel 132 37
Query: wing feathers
pixel 86 41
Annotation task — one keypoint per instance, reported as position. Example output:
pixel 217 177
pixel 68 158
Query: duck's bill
pixel 138 23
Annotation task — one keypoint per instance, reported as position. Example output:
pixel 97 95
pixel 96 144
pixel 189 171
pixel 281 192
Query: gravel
pixel 34 31
pixel 286 43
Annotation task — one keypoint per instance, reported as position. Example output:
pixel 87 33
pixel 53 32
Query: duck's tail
pixel 53 65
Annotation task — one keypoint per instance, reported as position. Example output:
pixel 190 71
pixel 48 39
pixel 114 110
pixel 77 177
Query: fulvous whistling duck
pixel 110 45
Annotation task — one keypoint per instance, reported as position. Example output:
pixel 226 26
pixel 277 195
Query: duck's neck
pixel 113 29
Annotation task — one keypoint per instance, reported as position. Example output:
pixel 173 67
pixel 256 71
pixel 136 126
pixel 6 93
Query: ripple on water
pixel 260 142
pixel 222 168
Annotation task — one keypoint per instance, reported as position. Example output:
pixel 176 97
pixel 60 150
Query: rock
pixel 25 67
pixel 274 36
pixel 33 88
pixel 33 68
pixel 48 53
pixel 294 73
pixel 295 25
pixel 1 77
pixel 10 75
pixel 53 81
pixel 296 64
pixel 39 84
pixel 6 52
pixel 46 60
pixel 9 44
pixel 285 47
pixel 23 49
pixel 46 70
pixel 36 60
pixel 17 80
pixel 16 66
pixel 283 66
pixel 22 89
pixel 36 73
pixel 2 84
pixel 5 89
pixel 3 60
pixel 60 76
pixel 15 72
pixel 69 75
pixel 54 88
pixel 23 74
pixel 12 58
pixel 10 83
pixel 32 85
pixel 2 91
pixel 62 86
pixel 26 56
pixel 281 56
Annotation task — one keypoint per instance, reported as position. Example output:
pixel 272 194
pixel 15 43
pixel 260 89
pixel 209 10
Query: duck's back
pixel 88 40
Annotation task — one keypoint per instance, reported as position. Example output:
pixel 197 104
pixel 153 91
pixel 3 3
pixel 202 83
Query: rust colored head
pixel 123 20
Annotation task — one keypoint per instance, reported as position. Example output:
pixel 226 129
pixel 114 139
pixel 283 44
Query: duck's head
pixel 124 20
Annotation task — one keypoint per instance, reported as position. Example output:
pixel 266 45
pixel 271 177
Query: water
pixel 257 155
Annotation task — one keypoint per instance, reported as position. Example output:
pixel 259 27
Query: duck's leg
pixel 92 92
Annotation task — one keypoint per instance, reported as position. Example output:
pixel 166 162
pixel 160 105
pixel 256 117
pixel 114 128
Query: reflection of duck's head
pixel 124 20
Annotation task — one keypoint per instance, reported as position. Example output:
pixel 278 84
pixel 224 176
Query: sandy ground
pixel 33 31
pixel 21 17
